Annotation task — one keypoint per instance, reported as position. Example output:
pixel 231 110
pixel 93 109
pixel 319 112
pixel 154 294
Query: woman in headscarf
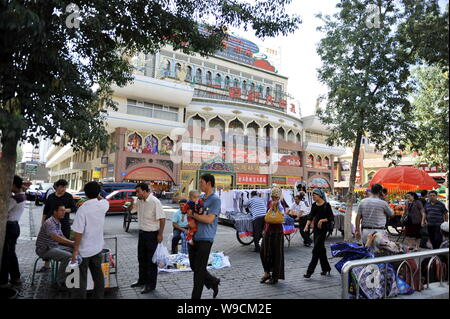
pixel 272 248
pixel 320 217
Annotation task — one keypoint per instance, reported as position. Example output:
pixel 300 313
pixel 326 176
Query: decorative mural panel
pixel 166 163
pixel 151 145
pixel 148 143
pixel 133 160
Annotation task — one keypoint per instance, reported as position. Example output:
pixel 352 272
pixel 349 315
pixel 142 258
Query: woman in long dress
pixel 272 247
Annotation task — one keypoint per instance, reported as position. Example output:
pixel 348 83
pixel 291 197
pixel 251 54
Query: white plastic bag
pixel 161 256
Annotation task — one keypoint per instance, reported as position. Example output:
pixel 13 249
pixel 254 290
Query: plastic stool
pixel 54 270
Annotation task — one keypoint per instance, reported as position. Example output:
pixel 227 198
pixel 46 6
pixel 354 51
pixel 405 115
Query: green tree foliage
pixel 50 60
pixel 428 33
pixel 366 59
pixel 430 136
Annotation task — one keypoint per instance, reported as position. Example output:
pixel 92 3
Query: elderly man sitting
pixel 51 244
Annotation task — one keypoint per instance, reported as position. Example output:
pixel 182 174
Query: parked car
pixel 118 198
pixel 40 194
pixel 111 187
pixel 30 193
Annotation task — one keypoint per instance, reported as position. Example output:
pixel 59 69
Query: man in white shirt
pixel 151 220
pixel 9 268
pixel 301 210
pixel 88 228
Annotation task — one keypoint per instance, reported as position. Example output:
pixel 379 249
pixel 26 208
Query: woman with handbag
pixel 413 220
pixel 321 217
pixel 272 248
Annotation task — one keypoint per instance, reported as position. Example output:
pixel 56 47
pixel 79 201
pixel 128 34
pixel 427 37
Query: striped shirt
pixel 373 211
pixel 44 241
pixel 257 207
pixel 435 213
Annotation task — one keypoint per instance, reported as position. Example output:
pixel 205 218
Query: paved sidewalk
pixel 240 281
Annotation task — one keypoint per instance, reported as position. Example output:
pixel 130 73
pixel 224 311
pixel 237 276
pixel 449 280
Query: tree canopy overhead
pixel 51 57
pixel 367 53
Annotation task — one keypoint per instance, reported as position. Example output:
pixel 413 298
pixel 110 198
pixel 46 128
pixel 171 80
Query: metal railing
pixel 434 254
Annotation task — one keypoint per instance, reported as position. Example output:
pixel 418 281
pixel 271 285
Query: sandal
pixel 265 278
pixel 43 269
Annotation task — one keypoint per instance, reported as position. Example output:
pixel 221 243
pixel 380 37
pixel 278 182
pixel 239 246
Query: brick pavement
pixel 240 281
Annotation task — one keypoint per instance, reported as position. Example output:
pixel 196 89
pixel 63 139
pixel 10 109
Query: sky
pixel 299 60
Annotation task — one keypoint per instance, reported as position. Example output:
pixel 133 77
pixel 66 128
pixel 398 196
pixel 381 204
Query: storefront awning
pixel 148 174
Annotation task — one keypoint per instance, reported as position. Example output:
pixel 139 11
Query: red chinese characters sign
pixel 255 179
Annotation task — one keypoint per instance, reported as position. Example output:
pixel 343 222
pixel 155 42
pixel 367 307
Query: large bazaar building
pixel 185 115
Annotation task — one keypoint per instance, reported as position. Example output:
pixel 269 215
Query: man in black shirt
pixel 60 197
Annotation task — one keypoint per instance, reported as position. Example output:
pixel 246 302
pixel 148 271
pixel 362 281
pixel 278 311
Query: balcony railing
pixel 224 90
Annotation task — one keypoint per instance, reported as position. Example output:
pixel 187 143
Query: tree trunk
pixel 351 189
pixel 7 170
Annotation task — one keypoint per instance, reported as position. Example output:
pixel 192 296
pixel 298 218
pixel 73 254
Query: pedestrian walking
pixel 416 218
pixel 424 230
pixel 321 217
pixel 9 268
pixel 88 227
pixel 257 209
pixel 372 214
pixel 204 238
pixel 436 214
pixel 151 220
pixel 272 248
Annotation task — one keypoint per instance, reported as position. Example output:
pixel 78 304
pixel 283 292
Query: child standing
pixel 195 204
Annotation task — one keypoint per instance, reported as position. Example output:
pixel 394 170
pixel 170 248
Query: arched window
pixel 196 121
pixel 218 80
pixel 260 91
pixel 299 138
pixel 167 69
pixel 227 82
pixel 208 78
pixel 189 74
pixel 253 87
pixel 281 134
pixel 244 87
pixel 219 124
pixel 268 134
pixel 291 137
pixel 198 76
pixel 268 91
pixel 318 161
pixel 252 142
pixel 236 83
pixel 177 67
pixel 310 161
pixel 326 162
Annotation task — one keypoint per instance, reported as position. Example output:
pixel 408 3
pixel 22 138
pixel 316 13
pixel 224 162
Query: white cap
pixel 444 227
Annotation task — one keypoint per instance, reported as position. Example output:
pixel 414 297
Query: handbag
pixel 274 217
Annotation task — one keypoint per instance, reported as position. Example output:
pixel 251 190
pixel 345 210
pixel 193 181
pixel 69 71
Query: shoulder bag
pixel 274 217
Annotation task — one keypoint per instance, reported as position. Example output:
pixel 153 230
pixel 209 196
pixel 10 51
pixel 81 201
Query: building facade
pixel 185 115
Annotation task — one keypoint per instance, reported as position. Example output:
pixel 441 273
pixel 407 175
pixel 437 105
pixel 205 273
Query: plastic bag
pixel 161 256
